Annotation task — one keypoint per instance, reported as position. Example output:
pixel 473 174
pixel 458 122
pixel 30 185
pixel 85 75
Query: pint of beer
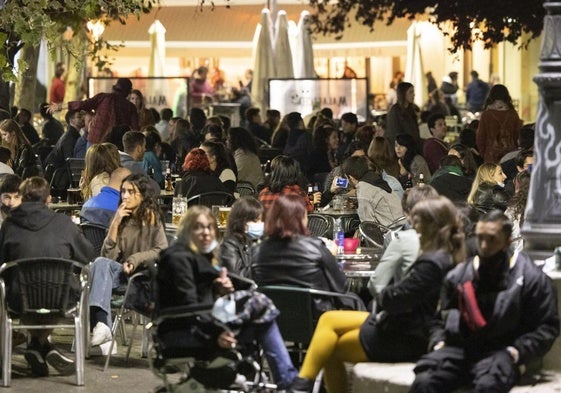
pixel 179 207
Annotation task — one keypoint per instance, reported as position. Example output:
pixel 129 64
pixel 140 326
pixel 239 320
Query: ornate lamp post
pixel 542 223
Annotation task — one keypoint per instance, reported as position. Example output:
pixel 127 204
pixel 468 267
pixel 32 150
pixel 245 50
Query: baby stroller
pixel 180 357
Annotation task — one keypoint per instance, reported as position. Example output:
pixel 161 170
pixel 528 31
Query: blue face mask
pixel 255 229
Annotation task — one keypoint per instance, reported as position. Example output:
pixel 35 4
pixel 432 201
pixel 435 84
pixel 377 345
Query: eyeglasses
pixel 199 228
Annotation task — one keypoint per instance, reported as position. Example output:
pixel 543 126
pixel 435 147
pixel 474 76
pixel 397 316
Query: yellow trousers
pixel 335 341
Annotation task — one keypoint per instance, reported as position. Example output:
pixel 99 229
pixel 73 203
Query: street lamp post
pixel 542 223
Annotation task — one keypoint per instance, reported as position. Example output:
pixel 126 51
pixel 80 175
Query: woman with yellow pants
pixel 399 332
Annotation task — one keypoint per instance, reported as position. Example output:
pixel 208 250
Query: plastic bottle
pixel 340 236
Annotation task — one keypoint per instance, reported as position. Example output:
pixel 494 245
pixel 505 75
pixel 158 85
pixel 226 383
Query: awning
pixel 228 32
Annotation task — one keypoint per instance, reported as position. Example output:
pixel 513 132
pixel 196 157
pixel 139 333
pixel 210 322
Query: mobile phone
pixel 342 182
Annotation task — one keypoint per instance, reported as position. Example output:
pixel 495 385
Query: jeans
pixel 106 275
pixel 280 364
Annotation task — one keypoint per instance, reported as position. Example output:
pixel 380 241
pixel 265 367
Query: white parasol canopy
pixel 302 52
pixel 263 62
pixel 157 33
pixel 283 54
pixel 414 65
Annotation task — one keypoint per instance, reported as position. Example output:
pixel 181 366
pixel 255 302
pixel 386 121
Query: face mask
pixel 210 247
pixel 255 229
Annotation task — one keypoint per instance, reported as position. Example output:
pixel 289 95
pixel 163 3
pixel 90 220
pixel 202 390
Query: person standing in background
pixel 58 85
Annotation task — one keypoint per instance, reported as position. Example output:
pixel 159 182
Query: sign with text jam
pixel 158 92
pixel 308 96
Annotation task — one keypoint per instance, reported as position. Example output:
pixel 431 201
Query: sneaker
pixel 64 365
pixel 37 363
pixel 101 334
pixel 105 348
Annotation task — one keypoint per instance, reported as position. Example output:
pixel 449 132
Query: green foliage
pixel 26 22
pixel 496 20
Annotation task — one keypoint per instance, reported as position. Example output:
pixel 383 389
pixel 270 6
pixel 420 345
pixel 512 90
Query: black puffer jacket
pixel 520 308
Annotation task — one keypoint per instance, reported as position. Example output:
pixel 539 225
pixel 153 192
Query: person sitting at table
pixel 376 201
pixel 221 165
pixel 188 274
pixel 101 160
pixel 101 208
pixel 289 256
pixel 134 239
pixel 197 176
pixel 404 247
pixel 399 330
pixel 285 179
pixel 245 227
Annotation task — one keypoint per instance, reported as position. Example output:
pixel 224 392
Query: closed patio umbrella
pixel 263 61
pixel 283 53
pixel 414 64
pixel 303 54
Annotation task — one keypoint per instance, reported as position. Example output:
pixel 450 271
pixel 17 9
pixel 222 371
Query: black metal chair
pixel 96 234
pixel 138 298
pixel 52 289
pixel 245 188
pixel 211 198
pixel 298 318
pixel 321 225
pixel 75 166
pixel 372 234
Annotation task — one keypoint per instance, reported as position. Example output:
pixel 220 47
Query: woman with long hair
pixel 197 176
pixel 145 116
pixel 497 133
pixel 244 229
pixel 399 329
pixel 189 274
pixel 221 164
pixel 134 240
pixel 402 118
pixel 23 158
pixel 382 159
pixel 465 154
pixel 322 158
pixel 101 160
pixel 244 149
pixel 487 190
pixel 411 164
pixel 285 179
pixel 290 256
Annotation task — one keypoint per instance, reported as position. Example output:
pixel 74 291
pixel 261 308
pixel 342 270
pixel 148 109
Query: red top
pixel 267 197
pixel 111 109
pixel 58 89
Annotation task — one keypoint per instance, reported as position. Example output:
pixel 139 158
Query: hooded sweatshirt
pixel 33 230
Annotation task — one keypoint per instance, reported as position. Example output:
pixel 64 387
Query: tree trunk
pixel 24 96
pixel 25 89
pixel 76 65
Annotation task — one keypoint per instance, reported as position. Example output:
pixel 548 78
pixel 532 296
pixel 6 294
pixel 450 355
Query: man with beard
pixel 499 312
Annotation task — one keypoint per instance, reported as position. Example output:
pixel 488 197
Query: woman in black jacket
pixel 289 256
pixel 24 162
pixel 399 331
pixel 245 226
pixel 188 275
pixel 197 178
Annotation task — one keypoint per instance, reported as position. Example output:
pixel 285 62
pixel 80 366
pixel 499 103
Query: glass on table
pixel 178 209
pixel 223 214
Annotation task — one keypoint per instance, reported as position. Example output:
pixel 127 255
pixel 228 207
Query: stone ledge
pixel 398 377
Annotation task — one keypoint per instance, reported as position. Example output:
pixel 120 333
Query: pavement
pixel 134 376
